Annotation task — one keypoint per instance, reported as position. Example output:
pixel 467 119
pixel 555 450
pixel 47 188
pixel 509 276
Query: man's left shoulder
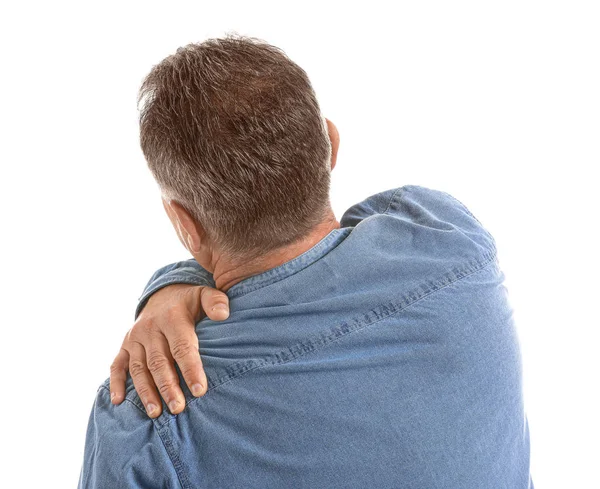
pixel 123 447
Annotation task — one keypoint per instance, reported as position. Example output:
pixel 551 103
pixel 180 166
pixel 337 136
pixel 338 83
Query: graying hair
pixel 232 130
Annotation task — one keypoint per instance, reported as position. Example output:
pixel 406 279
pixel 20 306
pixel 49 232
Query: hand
pixel 164 333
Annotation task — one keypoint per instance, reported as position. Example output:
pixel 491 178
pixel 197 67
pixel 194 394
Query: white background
pixel 497 103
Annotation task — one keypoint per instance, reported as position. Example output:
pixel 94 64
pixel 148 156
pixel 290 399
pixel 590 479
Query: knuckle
pixel 136 368
pixel 116 368
pixel 165 387
pixel 131 336
pixel 173 313
pixel 157 361
pixel 181 348
pixel 147 326
pixel 204 290
pixel 189 371
pixel 143 391
pixel 143 324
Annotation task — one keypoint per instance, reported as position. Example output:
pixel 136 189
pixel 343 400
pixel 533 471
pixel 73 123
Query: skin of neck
pixel 226 273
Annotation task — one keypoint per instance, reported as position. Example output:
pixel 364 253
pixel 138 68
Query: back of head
pixel 232 130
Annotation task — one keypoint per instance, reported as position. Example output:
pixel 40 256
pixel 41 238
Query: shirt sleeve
pixel 123 449
pixel 183 272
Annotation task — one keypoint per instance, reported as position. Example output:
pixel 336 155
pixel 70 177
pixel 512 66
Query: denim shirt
pixel 385 356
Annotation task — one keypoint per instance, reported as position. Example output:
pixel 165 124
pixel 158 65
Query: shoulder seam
pixel 383 311
pixel 175 467
pixel 392 199
pixel 492 240
pixel 463 206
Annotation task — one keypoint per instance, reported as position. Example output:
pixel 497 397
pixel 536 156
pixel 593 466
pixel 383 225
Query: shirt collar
pixel 324 246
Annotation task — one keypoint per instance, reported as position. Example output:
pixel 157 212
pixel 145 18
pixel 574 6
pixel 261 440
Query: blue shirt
pixel 386 356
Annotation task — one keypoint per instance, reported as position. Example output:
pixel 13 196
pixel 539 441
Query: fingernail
pixel 173 405
pixel 221 307
pixel 113 395
pixel 197 389
pixel 151 408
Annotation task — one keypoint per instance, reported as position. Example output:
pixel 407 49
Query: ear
pixel 334 137
pixel 188 230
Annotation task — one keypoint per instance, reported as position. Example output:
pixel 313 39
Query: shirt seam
pixel 319 341
pixel 469 213
pixel 172 454
pixel 392 199
pixel 329 243
pixel 488 235
pixel 158 432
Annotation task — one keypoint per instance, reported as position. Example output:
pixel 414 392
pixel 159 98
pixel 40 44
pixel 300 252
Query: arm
pixel 175 298
pixel 183 272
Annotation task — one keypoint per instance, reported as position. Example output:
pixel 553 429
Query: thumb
pixel 215 303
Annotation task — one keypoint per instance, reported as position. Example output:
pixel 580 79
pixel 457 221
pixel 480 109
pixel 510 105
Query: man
pixel 374 352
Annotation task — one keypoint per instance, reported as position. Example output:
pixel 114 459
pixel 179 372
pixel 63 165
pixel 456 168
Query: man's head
pixel 233 133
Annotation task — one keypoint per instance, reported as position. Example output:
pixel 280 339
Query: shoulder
pixel 434 197
pixel 131 394
pixel 448 208
pixel 117 424
pixel 424 207
pixel 130 412
pixel 123 447
pixel 374 204
pixel 383 202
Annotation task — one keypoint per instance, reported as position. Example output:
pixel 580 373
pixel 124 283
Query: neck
pixel 227 274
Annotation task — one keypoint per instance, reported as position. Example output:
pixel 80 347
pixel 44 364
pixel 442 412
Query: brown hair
pixel 232 130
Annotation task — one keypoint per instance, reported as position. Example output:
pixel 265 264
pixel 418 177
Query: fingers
pixel 161 367
pixel 183 345
pixel 142 380
pixel 165 333
pixel 215 303
pixel 118 376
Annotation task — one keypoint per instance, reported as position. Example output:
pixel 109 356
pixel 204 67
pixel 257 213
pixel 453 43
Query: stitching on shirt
pixel 392 199
pixel 357 323
pixel 177 465
pixel 281 271
pixel 465 208
pixel 164 436
pixel 384 311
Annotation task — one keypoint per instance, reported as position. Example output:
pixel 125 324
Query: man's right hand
pixel 165 333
